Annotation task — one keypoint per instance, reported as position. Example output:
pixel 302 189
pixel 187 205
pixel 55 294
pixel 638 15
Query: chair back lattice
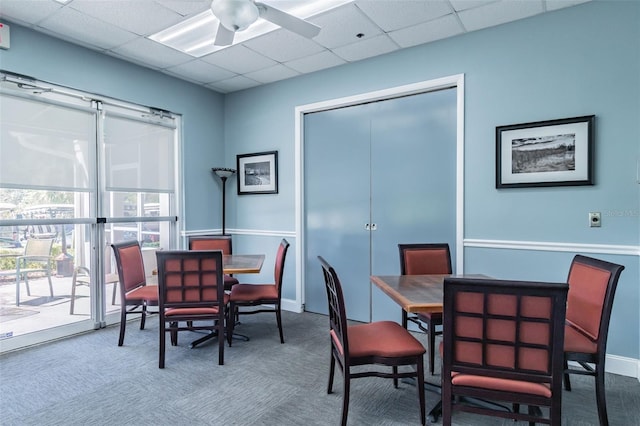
pixel 503 340
pixel 425 259
pixel 337 312
pixel 190 279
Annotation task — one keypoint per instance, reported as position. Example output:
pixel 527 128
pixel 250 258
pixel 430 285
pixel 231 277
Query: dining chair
pixel 380 343
pixel 82 278
pixel 215 242
pixel 191 296
pixel 135 295
pixel 425 259
pixel 36 257
pixel 248 295
pixel 592 286
pixel 503 343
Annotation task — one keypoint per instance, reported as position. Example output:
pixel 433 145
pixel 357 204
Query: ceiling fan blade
pixel 288 21
pixel 224 36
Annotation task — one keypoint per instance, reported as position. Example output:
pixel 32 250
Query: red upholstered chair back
pixel 504 339
pixel 592 286
pixel 424 259
pixel 189 279
pixel 131 271
pixel 211 242
pixel 279 264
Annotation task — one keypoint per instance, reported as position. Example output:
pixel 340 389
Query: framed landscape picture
pixel 258 173
pixel 545 153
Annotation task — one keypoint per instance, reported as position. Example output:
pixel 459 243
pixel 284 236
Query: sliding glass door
pixel 79 173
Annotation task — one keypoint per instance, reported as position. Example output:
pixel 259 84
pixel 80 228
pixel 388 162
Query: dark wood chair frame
pixel 453 396
pixel 426 323
pixel 339 327
pixel 135 295
pixel 585 360
pixel 206 312
pixel 235 304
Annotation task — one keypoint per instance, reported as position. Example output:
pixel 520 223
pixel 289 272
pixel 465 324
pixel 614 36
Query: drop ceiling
pixel 351 32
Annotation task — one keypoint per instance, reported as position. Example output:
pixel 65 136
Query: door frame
pixel 452 81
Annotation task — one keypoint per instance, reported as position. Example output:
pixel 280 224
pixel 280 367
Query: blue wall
pixel 58 62
pixel 577 61
pixel 572 62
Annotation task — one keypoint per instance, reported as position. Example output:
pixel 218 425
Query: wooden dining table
pixel 415 294
pixel 242 263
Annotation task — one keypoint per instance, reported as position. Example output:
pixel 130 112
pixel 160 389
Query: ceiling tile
pixel 86 29
pixel 119 28
pixel 319 61
pixel 559 4
pixel 30 15
pixel 239 59
pixel 394 15
pixel 200 71
pixel 236 83
pixel 366 48
pixel 498 13
pixel 446 26
pixel 271 74
pixel 282 45
pixel 155 54
pixel 184 7
pixel 140 17
pixel 459 5
pixel 340 26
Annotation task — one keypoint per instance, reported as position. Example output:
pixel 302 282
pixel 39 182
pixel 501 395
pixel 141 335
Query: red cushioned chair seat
pixel 382 338
pixel 504 385
pixel 147 292
pixel 190 311
pixel 250 292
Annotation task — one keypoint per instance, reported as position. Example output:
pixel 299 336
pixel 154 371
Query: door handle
pixel 374 227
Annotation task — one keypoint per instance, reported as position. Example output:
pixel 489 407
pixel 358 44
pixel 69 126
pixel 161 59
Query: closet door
pixel 337 206
pixel 376 175
pixel 413 182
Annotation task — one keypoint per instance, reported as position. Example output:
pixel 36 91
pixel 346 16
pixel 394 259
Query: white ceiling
pixel 120 28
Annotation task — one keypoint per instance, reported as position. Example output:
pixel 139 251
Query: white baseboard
pixel 623 366
pixel 290 305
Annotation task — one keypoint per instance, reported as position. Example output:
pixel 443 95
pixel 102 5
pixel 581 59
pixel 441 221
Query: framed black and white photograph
pixel 258 173
pixel 545 153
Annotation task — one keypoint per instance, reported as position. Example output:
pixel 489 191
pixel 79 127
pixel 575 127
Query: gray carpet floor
pixel 89 380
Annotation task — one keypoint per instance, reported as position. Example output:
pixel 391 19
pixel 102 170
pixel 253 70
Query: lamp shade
pixel 235 15
pixel 223 172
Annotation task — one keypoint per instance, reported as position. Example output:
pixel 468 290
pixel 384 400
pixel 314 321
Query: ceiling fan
pixel 238 15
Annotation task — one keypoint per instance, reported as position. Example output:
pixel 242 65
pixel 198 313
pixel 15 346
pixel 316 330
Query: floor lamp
pixel 223 173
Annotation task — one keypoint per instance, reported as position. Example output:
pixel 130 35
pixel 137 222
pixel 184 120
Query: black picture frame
pixel 546 153
pixel 257 173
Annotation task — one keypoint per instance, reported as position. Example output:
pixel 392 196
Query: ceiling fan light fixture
pixel 235 15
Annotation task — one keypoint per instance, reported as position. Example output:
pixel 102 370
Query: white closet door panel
pixel 337 206
pixel 413 181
